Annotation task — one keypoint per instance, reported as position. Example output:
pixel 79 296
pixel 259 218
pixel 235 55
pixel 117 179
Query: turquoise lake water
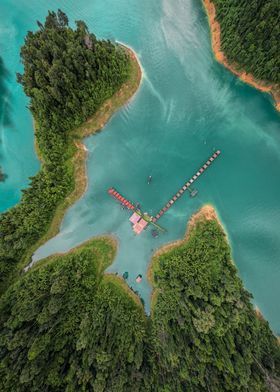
pixel 187 105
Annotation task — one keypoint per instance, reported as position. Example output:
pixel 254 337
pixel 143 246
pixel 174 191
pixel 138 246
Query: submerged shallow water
pixel 187 105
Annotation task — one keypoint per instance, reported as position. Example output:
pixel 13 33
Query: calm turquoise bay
pixel 187 105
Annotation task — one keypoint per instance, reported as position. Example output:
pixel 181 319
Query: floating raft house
pixel 140 226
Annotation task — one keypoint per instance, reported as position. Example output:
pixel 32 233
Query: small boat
pixel 139 278
pixel 149 179
pixel 194 193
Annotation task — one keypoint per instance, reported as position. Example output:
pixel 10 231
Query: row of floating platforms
pixel 187 186
pixel 139 220
pixel 119 197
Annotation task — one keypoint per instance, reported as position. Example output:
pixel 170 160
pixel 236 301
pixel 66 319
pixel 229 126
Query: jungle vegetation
pixel 206 336
pixel 68 74
pixel 250 33
pixel 67 326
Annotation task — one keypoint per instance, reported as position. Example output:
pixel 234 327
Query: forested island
pixel 68 326
pixel 245 38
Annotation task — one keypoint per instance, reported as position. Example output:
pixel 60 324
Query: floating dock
pixel 187 186
pixel 112 192
pixel 140 221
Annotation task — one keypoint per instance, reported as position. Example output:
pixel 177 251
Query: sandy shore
pixel 221 58
pixel 207 212
pixel 99 120
pixel 258 313
pixel 81 146
pixel 120 98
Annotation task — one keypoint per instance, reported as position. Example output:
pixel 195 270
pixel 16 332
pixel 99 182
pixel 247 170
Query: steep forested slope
pixel 250 31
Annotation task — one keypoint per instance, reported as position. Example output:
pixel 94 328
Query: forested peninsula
pixel 75 83
pixel 245 39
pixel 67 326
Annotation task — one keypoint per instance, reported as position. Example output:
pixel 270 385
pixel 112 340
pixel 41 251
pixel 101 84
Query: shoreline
pixel 117 279
pixel 258 313
pixel 78 161
pixel 206 212
pixel 110 240
pixel 221 58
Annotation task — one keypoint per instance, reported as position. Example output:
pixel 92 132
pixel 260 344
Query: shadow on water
pixel 5 97
pixel 3 176
pixel 5 106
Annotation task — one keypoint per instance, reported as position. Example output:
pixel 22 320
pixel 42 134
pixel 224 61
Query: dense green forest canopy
pixel 68 74
pixel 206 334
pixel 65 326
pixel 250 31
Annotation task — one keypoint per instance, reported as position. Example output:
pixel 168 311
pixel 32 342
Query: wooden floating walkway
pixel 186 186
pixel 118 196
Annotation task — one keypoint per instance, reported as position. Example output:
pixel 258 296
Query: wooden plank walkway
pixel 186 186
